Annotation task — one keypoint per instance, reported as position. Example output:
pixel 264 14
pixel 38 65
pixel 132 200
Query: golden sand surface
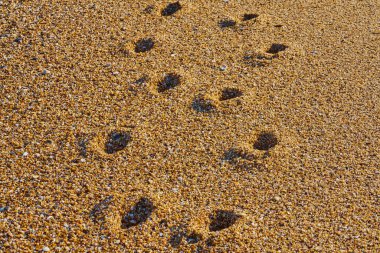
pixel 199 126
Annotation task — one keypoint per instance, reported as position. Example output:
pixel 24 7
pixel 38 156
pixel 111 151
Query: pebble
pixel 45 249
pixel 277 198
pixel 25 154
pixel 45 72
pixel 223 67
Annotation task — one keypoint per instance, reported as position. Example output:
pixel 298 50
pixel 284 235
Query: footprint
pixel 149 9
pixel 210 242
pixel 99 208
pixel 250 154
pixel 82 142
pixel 178 232
pixel 225 23
pixel 144 45
pixel 276 48
pixel 230 93
pixel 265 141
pixel 258 59
pixel 222 219
pixel 142 80
pixel 139 213
pixel 237 153
pixel 202 104
pixel 171 8
pixel 169 82
pixel 117 141
pixel 247 17
pixel 193 238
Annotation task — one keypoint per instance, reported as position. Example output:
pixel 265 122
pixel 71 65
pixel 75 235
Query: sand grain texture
pixel 239 126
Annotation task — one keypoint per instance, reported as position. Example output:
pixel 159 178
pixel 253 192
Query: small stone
pixel 45 249
pixel 25 154
pixel 277 198
pixel 45 72
pixel 223 68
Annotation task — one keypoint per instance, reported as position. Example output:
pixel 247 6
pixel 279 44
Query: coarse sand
pixel 189 126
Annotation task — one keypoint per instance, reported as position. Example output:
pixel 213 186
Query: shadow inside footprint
pixel 247 17
pixel 230 93
pixel 201 104
pixel 144 45
pixel 138 213
pixel 226 23
pixel 100 207
pixel 142 80
pixel 178 233
pixel 276 48
pixel 171 8
pixel 222 219
pixel 169 82
pixel 82 142
pixel 265 141
pixel 149 9
pixel 233 154
pixel 117 141
pixel 193 238
pixel 258 59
